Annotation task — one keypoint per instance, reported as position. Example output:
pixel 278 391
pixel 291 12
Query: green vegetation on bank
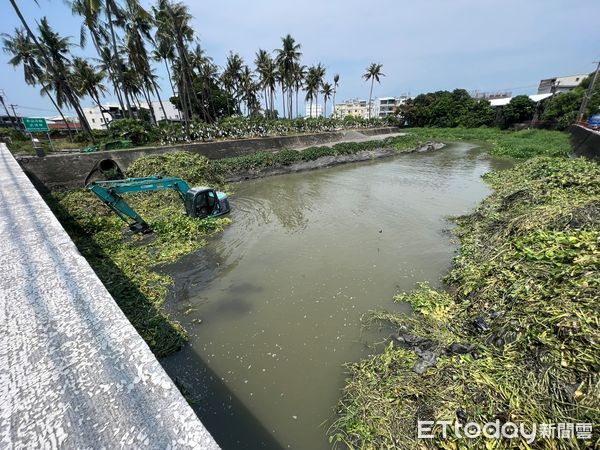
pixel 182 164
pixel 515 144
pixel 129 267
pixel 514 338
pixel 141 133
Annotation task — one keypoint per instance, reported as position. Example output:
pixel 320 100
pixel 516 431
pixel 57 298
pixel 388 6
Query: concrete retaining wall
pixel 585 142
pixel 74 373
pixel 70 170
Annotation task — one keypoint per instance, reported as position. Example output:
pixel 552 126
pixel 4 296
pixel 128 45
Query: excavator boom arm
pixel 110 193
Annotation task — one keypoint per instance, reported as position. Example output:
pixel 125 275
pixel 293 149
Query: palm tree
pixel 249 88
pixel 287 56
pixel 311 85
pixel 173 22
pixel 44 56
pixel 87 80
pixel 336 82
pixel 90 10
pixel 232 76
pixel 57 76
pixel 106 40
pixel 264 69
pixel 137 25
pixel 281 79
pixel 319 76
pixel 23 53
pixel 164 51
pixel 326 91
pixel 114 14
pixel 298 76
pixel 373 73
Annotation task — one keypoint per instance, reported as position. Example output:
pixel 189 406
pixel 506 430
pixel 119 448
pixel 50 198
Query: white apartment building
pixel 99 120
pixel 170 109
pixel 560 84
pixel 315 111
pixel 386 106
pixel 380 107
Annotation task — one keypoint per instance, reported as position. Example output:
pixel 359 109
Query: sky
pixel 426 45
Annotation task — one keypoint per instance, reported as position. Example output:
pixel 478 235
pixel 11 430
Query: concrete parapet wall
pixel 74 373
pixel 70 170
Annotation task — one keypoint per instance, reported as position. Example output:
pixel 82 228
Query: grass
pixel 515 335
pixel 515 144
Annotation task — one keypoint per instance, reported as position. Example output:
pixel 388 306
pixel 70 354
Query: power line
pixel 33 108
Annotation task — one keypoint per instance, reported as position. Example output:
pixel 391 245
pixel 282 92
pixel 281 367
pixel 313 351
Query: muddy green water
pixel 273 305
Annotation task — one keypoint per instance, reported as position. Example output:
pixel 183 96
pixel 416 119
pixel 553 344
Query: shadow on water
pixel 226 417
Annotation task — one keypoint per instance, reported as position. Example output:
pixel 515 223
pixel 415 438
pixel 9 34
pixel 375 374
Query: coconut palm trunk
pixel 109 6
pixel 169 75
pixel 157 92
pixel 283 99
pixel 96 98
pixel 371 96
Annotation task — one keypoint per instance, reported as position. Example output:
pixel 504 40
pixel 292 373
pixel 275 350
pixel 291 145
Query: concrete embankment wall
pixel 70 170
pixel 585 142
pixel 74 373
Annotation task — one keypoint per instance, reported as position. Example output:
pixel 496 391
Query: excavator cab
pixel 201 202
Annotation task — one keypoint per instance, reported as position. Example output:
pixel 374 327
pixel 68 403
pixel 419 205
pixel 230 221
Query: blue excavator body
pixel 199 202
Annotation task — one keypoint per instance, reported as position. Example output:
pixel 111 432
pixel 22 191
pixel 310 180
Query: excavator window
pixel 206 203
pixel 201 205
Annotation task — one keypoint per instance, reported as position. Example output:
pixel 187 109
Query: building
pixel 172 112
pixel 536 98
pixel 380 107
pixel 9 122
pixel 100 119
pixel 489 95
pixel 57 123
pixel 315 111
pixel 353 108
pixel 561 84
pixel 386 106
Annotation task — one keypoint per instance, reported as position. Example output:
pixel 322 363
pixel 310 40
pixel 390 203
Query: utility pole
pixel 12 119
pixel 588 94
pixel 15 116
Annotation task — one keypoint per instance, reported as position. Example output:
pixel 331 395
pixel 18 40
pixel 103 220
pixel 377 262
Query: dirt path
pixel 356 136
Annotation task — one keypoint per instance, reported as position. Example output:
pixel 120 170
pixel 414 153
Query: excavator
pixel 199 202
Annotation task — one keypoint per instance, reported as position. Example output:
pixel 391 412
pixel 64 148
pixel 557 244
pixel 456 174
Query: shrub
pixel 10 134
pixel 193 168
pixel 138 132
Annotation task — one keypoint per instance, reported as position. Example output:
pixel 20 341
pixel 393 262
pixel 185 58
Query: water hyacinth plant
pixel 515 337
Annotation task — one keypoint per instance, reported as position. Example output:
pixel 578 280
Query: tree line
pixel 130 40
pixel 447 109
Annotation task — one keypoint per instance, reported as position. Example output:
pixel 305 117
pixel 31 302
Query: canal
pixel 273 305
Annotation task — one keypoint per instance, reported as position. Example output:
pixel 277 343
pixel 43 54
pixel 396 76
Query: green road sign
pixel 35 124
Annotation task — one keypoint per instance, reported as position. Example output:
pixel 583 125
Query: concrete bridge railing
pixel 74 373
